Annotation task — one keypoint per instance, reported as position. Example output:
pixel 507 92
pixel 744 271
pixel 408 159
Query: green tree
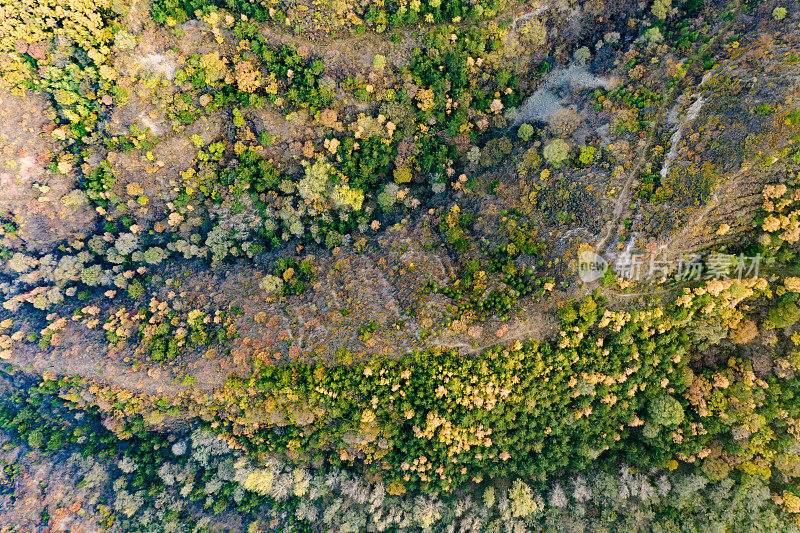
pixel 665 411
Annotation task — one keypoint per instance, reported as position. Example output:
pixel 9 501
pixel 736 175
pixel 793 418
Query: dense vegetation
pixel 300 285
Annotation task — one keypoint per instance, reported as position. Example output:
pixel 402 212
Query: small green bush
pixel 557 152
pixel 665 411
pixel 525 132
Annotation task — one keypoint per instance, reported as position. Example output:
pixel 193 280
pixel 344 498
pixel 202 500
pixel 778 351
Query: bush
pixel 271 284
pixel 557 152
pixel 746 331
pixel 155 255
pixel 525 132
pixel 564 122
pixel 587 155
pixel 782 315
pixel 665 411
pixel 661 8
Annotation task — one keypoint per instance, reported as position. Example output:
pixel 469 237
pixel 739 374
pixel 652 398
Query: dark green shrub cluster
pixel 476 287
pixel 138 460
pixel 370 165
pixel 428 11
pixel 442 65
pixel 377 14
pixel 297 275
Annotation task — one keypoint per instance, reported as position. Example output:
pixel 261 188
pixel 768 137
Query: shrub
pixel 271 284
pixel 525 132
pixel 564 122
pixel 665 411
pixel 155 255
pixel 661 8
pixel 782 315
pixel 582 55
pixel 587 155
pixel 557 152
pixel 379 62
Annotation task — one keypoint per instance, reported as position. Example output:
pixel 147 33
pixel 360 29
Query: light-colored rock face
pixel 545 102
